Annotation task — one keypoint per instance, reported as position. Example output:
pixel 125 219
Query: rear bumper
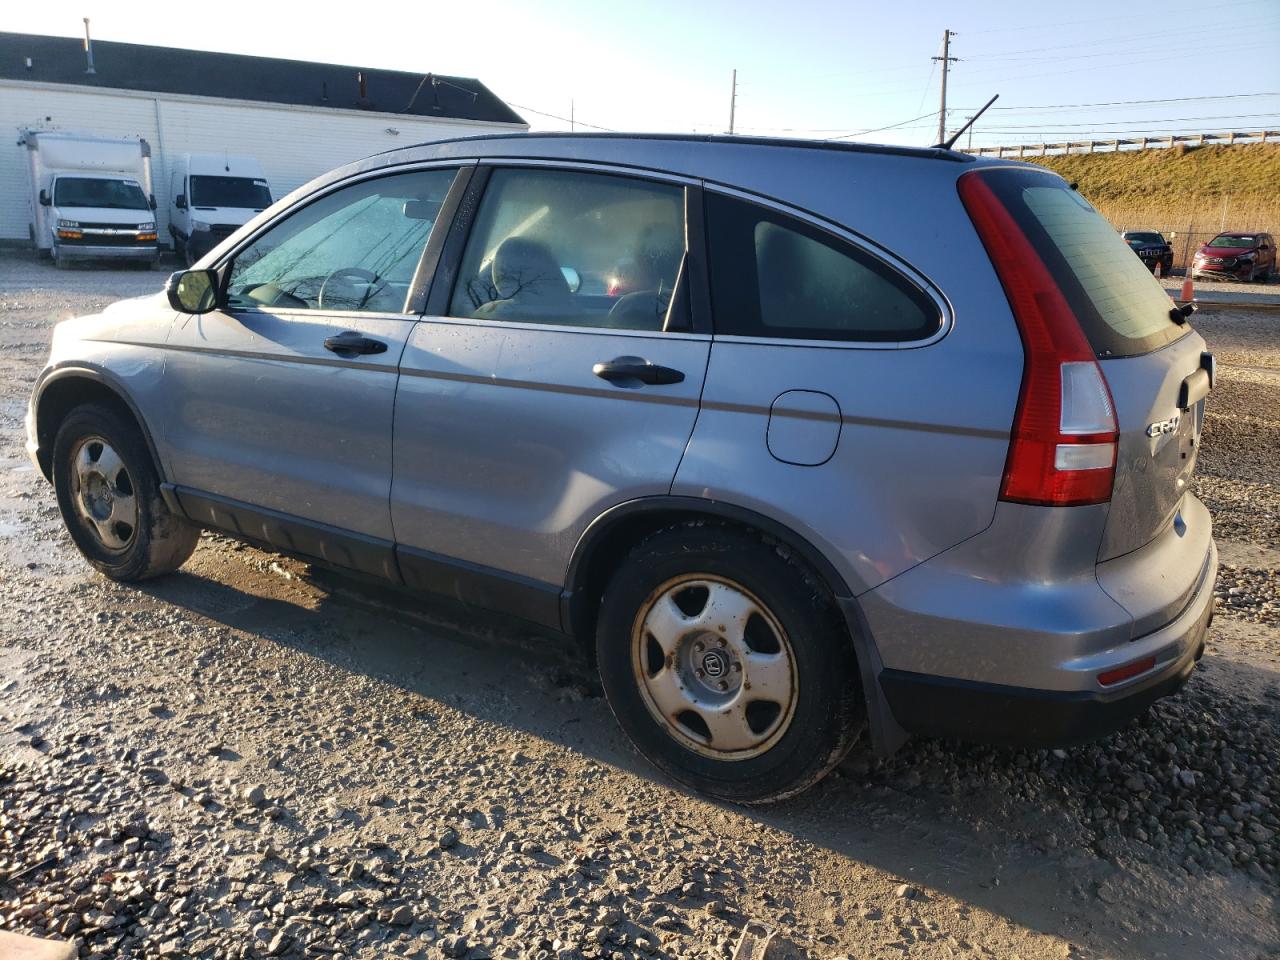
pixel 1019 716
pixel 1002 638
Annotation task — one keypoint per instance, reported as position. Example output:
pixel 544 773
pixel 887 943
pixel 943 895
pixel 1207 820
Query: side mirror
pixel 180 201
pixel 192 291
pixel 152 200
pixel 45 199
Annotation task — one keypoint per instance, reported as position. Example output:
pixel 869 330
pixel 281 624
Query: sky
pixel 856 69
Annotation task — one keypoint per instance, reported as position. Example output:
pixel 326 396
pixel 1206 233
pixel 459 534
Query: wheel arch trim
pixel 886 735
pixel 101 377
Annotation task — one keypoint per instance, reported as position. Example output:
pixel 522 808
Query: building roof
pixel 133 66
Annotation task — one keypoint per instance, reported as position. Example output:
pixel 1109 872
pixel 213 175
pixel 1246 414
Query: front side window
pixel 101 193
pixel 354 249
pixel 581 249
pixel 775 276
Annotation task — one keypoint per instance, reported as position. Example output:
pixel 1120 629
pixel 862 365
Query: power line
pixel 1126 103
pixel 1165 120
pixel 1093 21
pixel 892 126
pixel 556 116
pixel 1056 123
pixel 1225 30
pixel 1164 58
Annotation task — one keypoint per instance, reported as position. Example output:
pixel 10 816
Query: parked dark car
pixel 1237 256
pixel 1151 248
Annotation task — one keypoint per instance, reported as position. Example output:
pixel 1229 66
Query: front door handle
pixel 351 344
pixel 634 371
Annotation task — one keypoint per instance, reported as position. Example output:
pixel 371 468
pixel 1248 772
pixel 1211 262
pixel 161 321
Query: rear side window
pixel 775 276
pixel 1122 309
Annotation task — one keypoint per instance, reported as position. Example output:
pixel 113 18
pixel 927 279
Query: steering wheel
pixel 348 274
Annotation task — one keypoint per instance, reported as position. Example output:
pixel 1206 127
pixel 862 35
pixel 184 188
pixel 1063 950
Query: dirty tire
pixel 161 541
pixel 828 713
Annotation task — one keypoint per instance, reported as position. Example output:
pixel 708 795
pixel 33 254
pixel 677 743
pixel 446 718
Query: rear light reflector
pixel 1084 456
pixel 1110 678
pixel 1062 448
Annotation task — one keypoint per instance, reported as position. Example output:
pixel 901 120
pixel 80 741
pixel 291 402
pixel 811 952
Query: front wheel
pixel 109 497
pixel 726 663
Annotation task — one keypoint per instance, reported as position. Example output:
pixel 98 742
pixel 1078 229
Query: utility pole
pixel 733 100
pixel 571 124
pixel 947 60
pixel 88 49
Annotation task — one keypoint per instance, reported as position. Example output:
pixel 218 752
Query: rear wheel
pixel 727 664
pixel 109 497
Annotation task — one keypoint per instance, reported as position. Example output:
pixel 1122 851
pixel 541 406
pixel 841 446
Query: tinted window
pixel 90 192
pixel 1122 308
pixel 229 192
pixel 582 249
pixel 354 249
pixel 775 276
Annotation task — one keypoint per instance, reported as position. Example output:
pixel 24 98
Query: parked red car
pixel 1236 256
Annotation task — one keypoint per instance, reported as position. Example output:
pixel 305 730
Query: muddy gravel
pixel 257 758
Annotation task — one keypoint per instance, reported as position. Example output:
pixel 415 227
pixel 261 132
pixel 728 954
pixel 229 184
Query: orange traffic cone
pixel 1188 289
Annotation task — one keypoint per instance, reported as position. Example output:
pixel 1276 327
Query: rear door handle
pixel 351 344
pixel 634 371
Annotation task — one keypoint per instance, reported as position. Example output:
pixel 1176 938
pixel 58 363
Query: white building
pixel 299 119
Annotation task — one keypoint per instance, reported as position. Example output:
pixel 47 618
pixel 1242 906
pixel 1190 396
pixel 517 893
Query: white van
pixel 91 197
pixel 212 194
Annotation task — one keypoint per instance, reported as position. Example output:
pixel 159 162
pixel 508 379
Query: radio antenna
pixel 950 142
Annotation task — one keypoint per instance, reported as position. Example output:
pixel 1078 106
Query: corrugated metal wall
pixel 293 144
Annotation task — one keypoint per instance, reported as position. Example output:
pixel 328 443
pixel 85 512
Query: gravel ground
pixel 255 758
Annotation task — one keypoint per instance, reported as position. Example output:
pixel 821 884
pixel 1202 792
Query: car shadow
pixel 996 848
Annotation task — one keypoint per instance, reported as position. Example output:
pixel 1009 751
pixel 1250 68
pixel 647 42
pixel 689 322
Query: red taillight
pixel 1062 450
pixel 1111 677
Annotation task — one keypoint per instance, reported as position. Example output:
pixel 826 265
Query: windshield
pixel 1144 238
pixel 230 192
pixel 90 192
pixel 1226 241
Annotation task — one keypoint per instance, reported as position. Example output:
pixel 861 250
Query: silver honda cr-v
pixel 801 440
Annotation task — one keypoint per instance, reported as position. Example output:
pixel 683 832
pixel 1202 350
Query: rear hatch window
pixel 1122 309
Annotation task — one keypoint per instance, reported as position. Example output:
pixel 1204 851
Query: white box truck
pixel 91 197
pixel 211 196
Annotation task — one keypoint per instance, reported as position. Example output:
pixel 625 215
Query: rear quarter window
pixel 773 275
pixel 1121 307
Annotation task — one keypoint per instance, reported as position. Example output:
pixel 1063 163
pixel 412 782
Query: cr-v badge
pixel 1164 426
